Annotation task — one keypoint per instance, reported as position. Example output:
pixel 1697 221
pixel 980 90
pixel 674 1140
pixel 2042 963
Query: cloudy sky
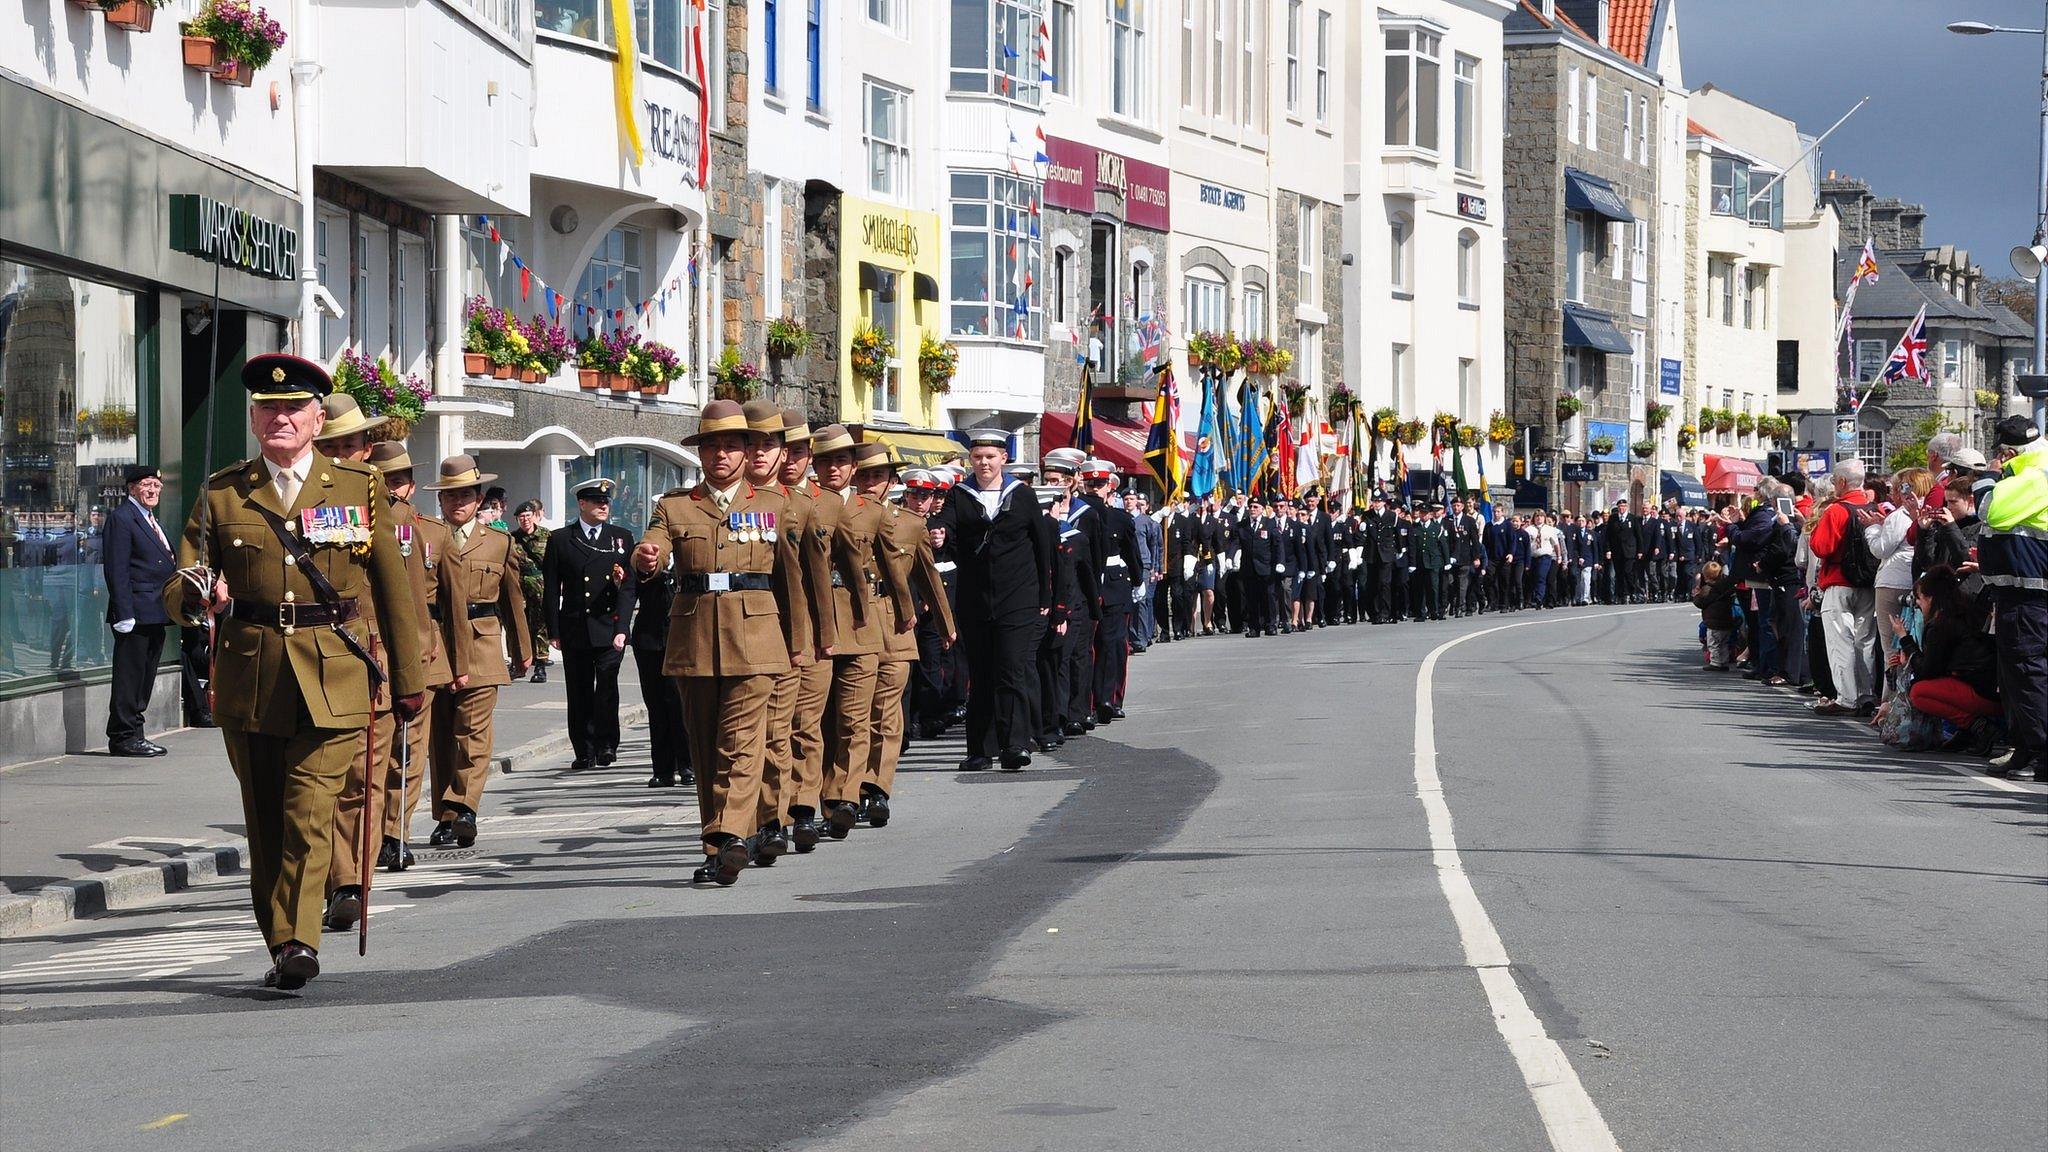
pixel 1953 121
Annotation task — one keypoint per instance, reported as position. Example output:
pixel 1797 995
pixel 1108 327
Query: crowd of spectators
pixel 1917 600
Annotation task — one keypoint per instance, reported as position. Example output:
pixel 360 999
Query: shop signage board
pixel 233 237
pixel 1078 171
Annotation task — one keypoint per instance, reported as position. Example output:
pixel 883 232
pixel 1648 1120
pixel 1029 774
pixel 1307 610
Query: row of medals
pixel 751 533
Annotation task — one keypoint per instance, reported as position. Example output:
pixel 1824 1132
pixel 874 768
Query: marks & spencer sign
pixel 234 237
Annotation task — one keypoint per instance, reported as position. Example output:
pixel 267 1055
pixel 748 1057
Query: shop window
pixel 881 309
pixel 997 259
pixel 611 281
pixel 641 475
pixel 995 49
pixel 71 418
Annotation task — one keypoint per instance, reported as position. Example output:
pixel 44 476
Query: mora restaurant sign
pixel 1077 172
pixel 237 238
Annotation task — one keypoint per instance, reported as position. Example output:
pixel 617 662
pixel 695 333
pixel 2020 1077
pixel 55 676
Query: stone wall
pixel 812 380
pixel 1532 192
pixel 1285 287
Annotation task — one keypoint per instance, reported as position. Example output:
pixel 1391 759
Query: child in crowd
pixel 1714 595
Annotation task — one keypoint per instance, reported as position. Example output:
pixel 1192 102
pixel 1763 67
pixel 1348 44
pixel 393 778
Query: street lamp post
pixel 1977 28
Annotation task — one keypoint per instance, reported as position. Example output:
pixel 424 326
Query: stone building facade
pixel 1580 174
pixel 1328 303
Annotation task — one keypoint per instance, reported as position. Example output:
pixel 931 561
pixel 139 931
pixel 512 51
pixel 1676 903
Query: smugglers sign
pixel 234 237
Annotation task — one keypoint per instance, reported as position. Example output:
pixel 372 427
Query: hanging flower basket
pixel 1499 429
pixel 788 339
pixel 1568 406
pixel 1385 421
pixel 1411 432
pixel 1656 415
pixel 937 362
pixel 870 353
pixel 1601 445
pixel 1644 449
pixel 1343 401
pixel 393 428
pixel 1688 437
pixel 1744 423
pixel 1468 436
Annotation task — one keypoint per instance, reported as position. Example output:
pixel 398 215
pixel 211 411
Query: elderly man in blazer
pixel 138 562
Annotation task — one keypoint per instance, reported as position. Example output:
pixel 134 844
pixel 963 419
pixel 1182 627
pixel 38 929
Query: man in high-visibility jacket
pixel 2012 556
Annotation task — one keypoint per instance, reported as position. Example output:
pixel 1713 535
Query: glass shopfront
pixel 73 415
pixel 642 477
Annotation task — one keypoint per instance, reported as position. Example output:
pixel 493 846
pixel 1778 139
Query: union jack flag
pixel 1909 359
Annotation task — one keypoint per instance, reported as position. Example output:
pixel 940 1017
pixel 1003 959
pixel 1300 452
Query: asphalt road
pixel 1601 899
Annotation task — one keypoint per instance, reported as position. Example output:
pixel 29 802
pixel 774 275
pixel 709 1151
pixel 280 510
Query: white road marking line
pixel 1570 1118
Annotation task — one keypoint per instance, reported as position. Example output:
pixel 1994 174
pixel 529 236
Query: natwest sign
pixel 1137 190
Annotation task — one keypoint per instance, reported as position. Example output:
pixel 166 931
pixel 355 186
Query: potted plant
pixel 379 390
pixel 1410 432
pixel 1468 436
pixel 1229 354
pixel 244 38
pixel 510 359
pixel 131 15
pixel 733 378
pixel 1655 415
pixel 788 339
pixel 548 348
pixel 1601 445
pixel 601 358
pixel 937 362
pixel 648 367
pixel 1744 423
pixel 1295 395
pixel 1385 421
pixel 1568 406
pixel 1343 401
pixel 1202 347
pixel 1688 436
pixel 1499 429
pixel 483 335
pixel 870 353
pixel 1644 449
pixel 1987 399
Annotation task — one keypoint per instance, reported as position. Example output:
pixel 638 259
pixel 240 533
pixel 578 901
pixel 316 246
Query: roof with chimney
pixel 1897 295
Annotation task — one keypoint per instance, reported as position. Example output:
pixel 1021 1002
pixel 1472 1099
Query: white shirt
pixel 990 500
pixel 589 529
pixel 1546 540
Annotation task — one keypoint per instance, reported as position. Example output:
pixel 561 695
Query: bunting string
pixel 594 305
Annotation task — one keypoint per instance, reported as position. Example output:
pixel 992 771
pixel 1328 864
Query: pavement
pixel 1521 883
pixel 84 833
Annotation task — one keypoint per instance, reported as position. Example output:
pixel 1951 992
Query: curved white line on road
pixel 1570 1118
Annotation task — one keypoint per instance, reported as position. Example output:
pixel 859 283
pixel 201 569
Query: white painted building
pixel 1423 224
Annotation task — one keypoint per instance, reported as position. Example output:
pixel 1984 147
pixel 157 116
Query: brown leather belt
pixel 291 615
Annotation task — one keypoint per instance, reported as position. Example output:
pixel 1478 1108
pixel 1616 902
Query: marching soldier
pixel 532 538
pixel 667 743
pixel 1120 575
pixel 587 604
pixel 810 595
pixel 1005 549
pixel 292 551
pixel 863 580
pixel 1065 667
pixel 425 543
pixel 345 437
pixel 732 630
pixel 803 785
pixel 486 618
pixel 907 564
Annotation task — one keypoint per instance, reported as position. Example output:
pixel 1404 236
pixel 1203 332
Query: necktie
pixel 590 534
pixel 288 487
pixel 159 530
pixel 721 499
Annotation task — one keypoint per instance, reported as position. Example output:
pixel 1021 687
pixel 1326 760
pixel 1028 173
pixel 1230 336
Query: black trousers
pixel 1002 680
pixel 1464 589
pixel 2023 671
pixel 593 678
pixel 1424 594
pixel 932 680
pixel 1186 594
pixel 1050 710
pixel 1112 657
pixel 198 665
pixel 666 740
pixel 1624 582
pixel 136 656
pixel 1379 575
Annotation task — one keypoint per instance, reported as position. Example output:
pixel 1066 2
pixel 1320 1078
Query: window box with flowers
pixel 601 359
pixel 1744 423
pixel 937 362
pixel 652 366
pixel 379 390
pixel 549 346
pixel 130 15
pixel 733 378
pixel 483 336
pixel 238 40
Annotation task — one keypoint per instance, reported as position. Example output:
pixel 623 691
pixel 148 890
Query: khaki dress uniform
pixel 485 622
pixel 731 632
pixel 907 556
pixel 435 581
pixel 859 579
pixel 291 697
pixel 783 772
pixel 814 688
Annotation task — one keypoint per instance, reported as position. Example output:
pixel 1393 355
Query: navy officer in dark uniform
pixel 1004 546
pixel 1117 583
pixel 588 600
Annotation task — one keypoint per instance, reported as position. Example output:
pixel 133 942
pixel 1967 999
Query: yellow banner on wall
pixel 626 80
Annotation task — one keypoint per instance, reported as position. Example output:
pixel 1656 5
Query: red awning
pixel 1732 474
pixel 1120 442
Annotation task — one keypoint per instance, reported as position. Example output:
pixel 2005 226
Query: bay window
pixel 996 261
pixel 1411 97
pixel 995 49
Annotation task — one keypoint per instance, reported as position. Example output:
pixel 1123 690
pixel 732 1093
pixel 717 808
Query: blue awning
pixel 1585 192
pixel 1684 488
pixel 1585 328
